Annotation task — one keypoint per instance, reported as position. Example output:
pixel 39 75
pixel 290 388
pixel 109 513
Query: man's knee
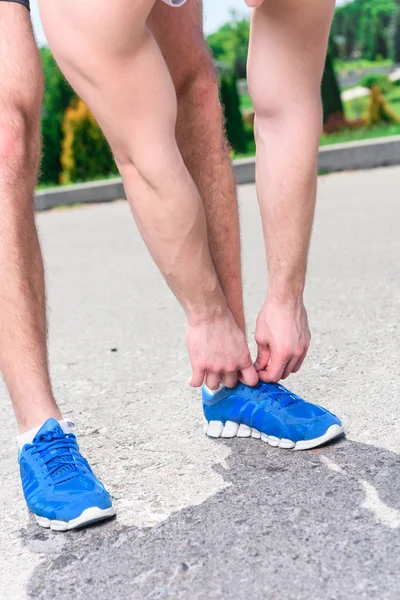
pixel 19 143
pixel 284 109
pixel 198 83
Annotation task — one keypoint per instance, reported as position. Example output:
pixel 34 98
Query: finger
pixel 299 363
pixel 289 367
pixel 249 376
pixel 263 357
pixel 274 371
pixel 229 379
pixel 197 378
pixel 213 380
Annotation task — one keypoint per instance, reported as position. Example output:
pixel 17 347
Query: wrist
pixel 286 292
pixel 200 315
pixel 209 306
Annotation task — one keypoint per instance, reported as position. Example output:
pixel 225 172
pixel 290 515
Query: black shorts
pixel 24 2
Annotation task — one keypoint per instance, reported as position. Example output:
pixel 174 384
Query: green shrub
pixel 379 110
pixel 57 97
pixel 86 154
pixel 331 99
pixel 382 81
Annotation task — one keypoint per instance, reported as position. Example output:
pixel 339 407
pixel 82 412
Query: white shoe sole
pixel 89 516
pixel 217 429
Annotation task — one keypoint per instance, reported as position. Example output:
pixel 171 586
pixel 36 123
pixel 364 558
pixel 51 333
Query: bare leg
pixel 23 355
pixel 116 66
pixel 201 139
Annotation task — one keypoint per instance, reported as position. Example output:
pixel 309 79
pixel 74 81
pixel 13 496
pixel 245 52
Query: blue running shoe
pixel 58 484
pixel 268 411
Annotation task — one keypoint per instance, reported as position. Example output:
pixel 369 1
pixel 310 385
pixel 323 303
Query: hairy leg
pixel 23 354
pixel 201 139
pixel 115 65
pixel 288 42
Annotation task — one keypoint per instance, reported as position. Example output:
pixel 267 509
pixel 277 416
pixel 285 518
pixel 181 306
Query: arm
pixel 173 225
pixel 286 59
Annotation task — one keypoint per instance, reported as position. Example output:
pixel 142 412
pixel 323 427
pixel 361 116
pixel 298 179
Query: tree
pixel 330 90
pixel 229 45
pixel 365 26
pixel 242 37
pixel 345 24
pixel 395 36
pixel 374 25
pixel 57 97
pixel 233 117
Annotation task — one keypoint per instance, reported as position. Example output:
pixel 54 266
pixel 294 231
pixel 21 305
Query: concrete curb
pixel 368 154
pixel 105 190
pixel 355 156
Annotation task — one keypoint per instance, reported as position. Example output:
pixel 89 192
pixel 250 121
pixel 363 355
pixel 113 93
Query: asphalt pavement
pixel 201 519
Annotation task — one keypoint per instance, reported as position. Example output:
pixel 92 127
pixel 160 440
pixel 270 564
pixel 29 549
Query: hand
pixel 219 352
pixel 283 339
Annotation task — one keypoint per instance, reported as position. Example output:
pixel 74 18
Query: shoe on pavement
pixel 60 488
pixel 268 411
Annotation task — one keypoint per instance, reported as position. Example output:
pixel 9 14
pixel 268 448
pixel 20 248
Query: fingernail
pixel 256 365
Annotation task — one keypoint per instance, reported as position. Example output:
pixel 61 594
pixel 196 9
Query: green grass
pixel 363 133
pixel 67 206
pixel 46 186
pixel 343 66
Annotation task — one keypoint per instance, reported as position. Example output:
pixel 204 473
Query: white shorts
pixel 175 3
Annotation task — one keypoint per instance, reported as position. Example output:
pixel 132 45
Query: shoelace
pixel 59 453
pixel 276 393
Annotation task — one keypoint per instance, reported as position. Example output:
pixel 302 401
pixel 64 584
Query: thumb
pixel 263 357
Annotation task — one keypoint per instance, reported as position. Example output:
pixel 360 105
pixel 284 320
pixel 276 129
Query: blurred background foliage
pixel 360 92
pixel 85 153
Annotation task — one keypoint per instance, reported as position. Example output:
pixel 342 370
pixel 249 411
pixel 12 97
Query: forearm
pixel 200 118
pixel 286 59
pixel 287 148
pixel 170 216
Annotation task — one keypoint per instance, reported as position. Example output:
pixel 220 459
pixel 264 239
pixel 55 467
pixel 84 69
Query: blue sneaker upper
pixel 57 481
pixel 271 409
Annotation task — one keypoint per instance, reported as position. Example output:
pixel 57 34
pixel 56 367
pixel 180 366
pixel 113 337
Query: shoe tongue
pixel 51 425
pixel 63 459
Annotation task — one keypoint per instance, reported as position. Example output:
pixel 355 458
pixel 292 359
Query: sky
pixel 216 13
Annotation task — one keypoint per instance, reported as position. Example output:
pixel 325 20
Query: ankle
pixel 27 437
pixel 29 422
